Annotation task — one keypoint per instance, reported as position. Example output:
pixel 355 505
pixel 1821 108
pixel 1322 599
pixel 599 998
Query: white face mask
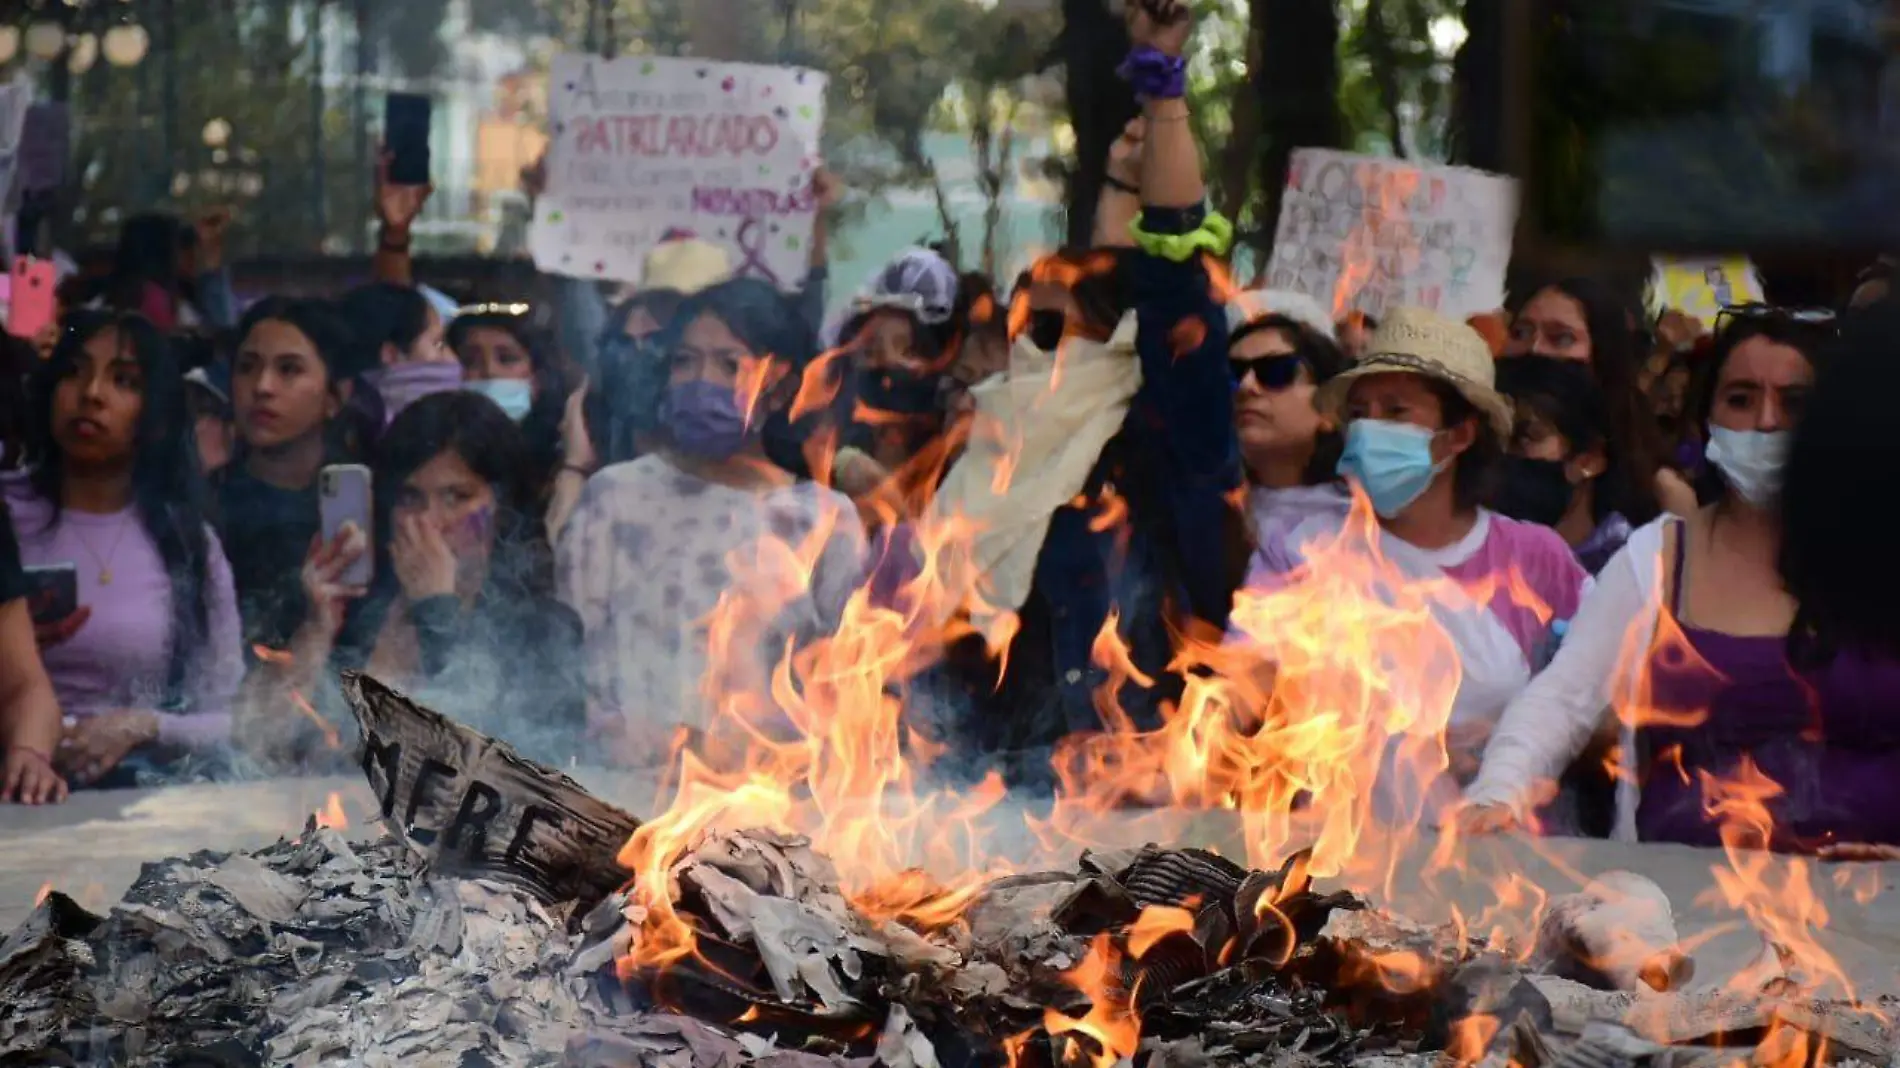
pixel 1751 461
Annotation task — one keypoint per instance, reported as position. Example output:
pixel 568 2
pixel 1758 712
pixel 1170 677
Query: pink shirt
pixel 121 658
pixel 1483 559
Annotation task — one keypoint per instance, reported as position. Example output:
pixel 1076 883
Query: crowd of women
pixel 1638 514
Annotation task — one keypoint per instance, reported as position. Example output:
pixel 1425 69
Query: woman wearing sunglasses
pixel 1714 692
pixel 1281 351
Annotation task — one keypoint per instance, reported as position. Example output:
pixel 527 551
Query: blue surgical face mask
pixel 1391 461
pixel 515 396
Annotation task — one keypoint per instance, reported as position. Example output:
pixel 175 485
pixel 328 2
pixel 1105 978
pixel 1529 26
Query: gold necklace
pixel 105 563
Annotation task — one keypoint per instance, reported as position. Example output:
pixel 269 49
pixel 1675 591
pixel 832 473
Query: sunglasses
pixel 1273 373
pixel 516 309
pixel 1756 312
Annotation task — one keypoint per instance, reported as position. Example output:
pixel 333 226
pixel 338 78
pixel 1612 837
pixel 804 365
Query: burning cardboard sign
pixel 476 809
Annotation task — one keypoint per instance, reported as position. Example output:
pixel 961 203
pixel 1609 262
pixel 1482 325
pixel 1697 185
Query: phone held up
pixel 344 496
pixel 33 305
pixel 52 592
pixel 406 136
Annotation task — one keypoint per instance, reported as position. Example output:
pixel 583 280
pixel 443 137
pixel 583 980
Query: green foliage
pixel 901 71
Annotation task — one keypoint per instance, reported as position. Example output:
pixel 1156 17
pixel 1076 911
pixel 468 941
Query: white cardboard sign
pixel 1370 234
pixel 644 145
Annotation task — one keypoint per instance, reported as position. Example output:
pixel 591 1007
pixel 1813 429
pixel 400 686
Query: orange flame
pixel 40 898
pixel 1110 1031
pixel 331 815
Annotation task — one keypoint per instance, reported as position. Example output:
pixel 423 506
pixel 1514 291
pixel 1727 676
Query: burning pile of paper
pixel 486 928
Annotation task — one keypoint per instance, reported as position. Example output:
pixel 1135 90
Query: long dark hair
pixel 168 492
pixel 1616 357
pixel 1836 548
pixel 477 431
pixel 147 255
pixel 18 360
pixel 382 313
pixel 542 426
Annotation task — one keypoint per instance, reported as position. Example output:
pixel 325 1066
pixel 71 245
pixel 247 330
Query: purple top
pixel 1829 738
pixel 122 656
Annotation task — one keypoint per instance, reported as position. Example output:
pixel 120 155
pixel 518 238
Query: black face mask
pixel 1046 329
pixel 1535 491
pixel 898 392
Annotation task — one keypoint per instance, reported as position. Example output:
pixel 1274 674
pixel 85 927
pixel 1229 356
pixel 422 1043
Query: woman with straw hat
pixel 1425 432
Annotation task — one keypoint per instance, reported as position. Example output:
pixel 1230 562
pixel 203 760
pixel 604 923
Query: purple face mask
pixel 706 420
pixel 403 384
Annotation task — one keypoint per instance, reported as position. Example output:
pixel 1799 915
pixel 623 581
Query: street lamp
pixel 45 40
pixel 126 44
pixel 83 54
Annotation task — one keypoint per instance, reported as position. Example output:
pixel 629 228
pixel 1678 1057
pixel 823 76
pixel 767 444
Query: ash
pixel 320 951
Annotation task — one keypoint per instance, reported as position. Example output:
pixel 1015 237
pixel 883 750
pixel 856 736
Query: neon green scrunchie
pixel 1215 236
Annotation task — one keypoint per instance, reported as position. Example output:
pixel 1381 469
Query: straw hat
pixel 1421 342
pixel 686 265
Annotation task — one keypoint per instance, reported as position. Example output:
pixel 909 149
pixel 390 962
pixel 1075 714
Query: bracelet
pixel 1214 236
pixel 44 758
pixel 578 469
pixel 1120 186
pixel 1154 75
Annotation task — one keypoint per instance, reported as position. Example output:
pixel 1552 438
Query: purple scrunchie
pixel 1154 75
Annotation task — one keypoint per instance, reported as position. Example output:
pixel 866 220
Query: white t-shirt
pixel 647 556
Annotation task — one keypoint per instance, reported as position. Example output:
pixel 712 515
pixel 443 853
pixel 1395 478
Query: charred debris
pixel 430 947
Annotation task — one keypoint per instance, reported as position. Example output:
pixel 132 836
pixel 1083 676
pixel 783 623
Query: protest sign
pixel 643 145
pixel 15 98
pixel 476 809
pixel 1369 234
pixel 1703 286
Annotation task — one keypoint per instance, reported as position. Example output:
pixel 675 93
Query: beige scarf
pixel 1038 431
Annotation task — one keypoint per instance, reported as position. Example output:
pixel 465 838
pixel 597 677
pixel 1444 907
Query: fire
pixel 40 898
pixel 1776 896
pixel 1319 723
pixel 331 815
pixel 1109 1032
pixel 1355 702
pixel 302 704
pixel 1470 1037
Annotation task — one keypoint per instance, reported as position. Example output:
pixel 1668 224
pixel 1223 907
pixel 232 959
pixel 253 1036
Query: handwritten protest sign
pixel 1370 234
pixel 1703 286
pixel 642 145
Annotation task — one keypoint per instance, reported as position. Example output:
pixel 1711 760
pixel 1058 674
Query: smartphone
pixel 406 136
pixel 343 496
pixel 52 592
pixel 34 305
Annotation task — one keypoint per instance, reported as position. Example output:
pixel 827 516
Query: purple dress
pixel 1829 737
